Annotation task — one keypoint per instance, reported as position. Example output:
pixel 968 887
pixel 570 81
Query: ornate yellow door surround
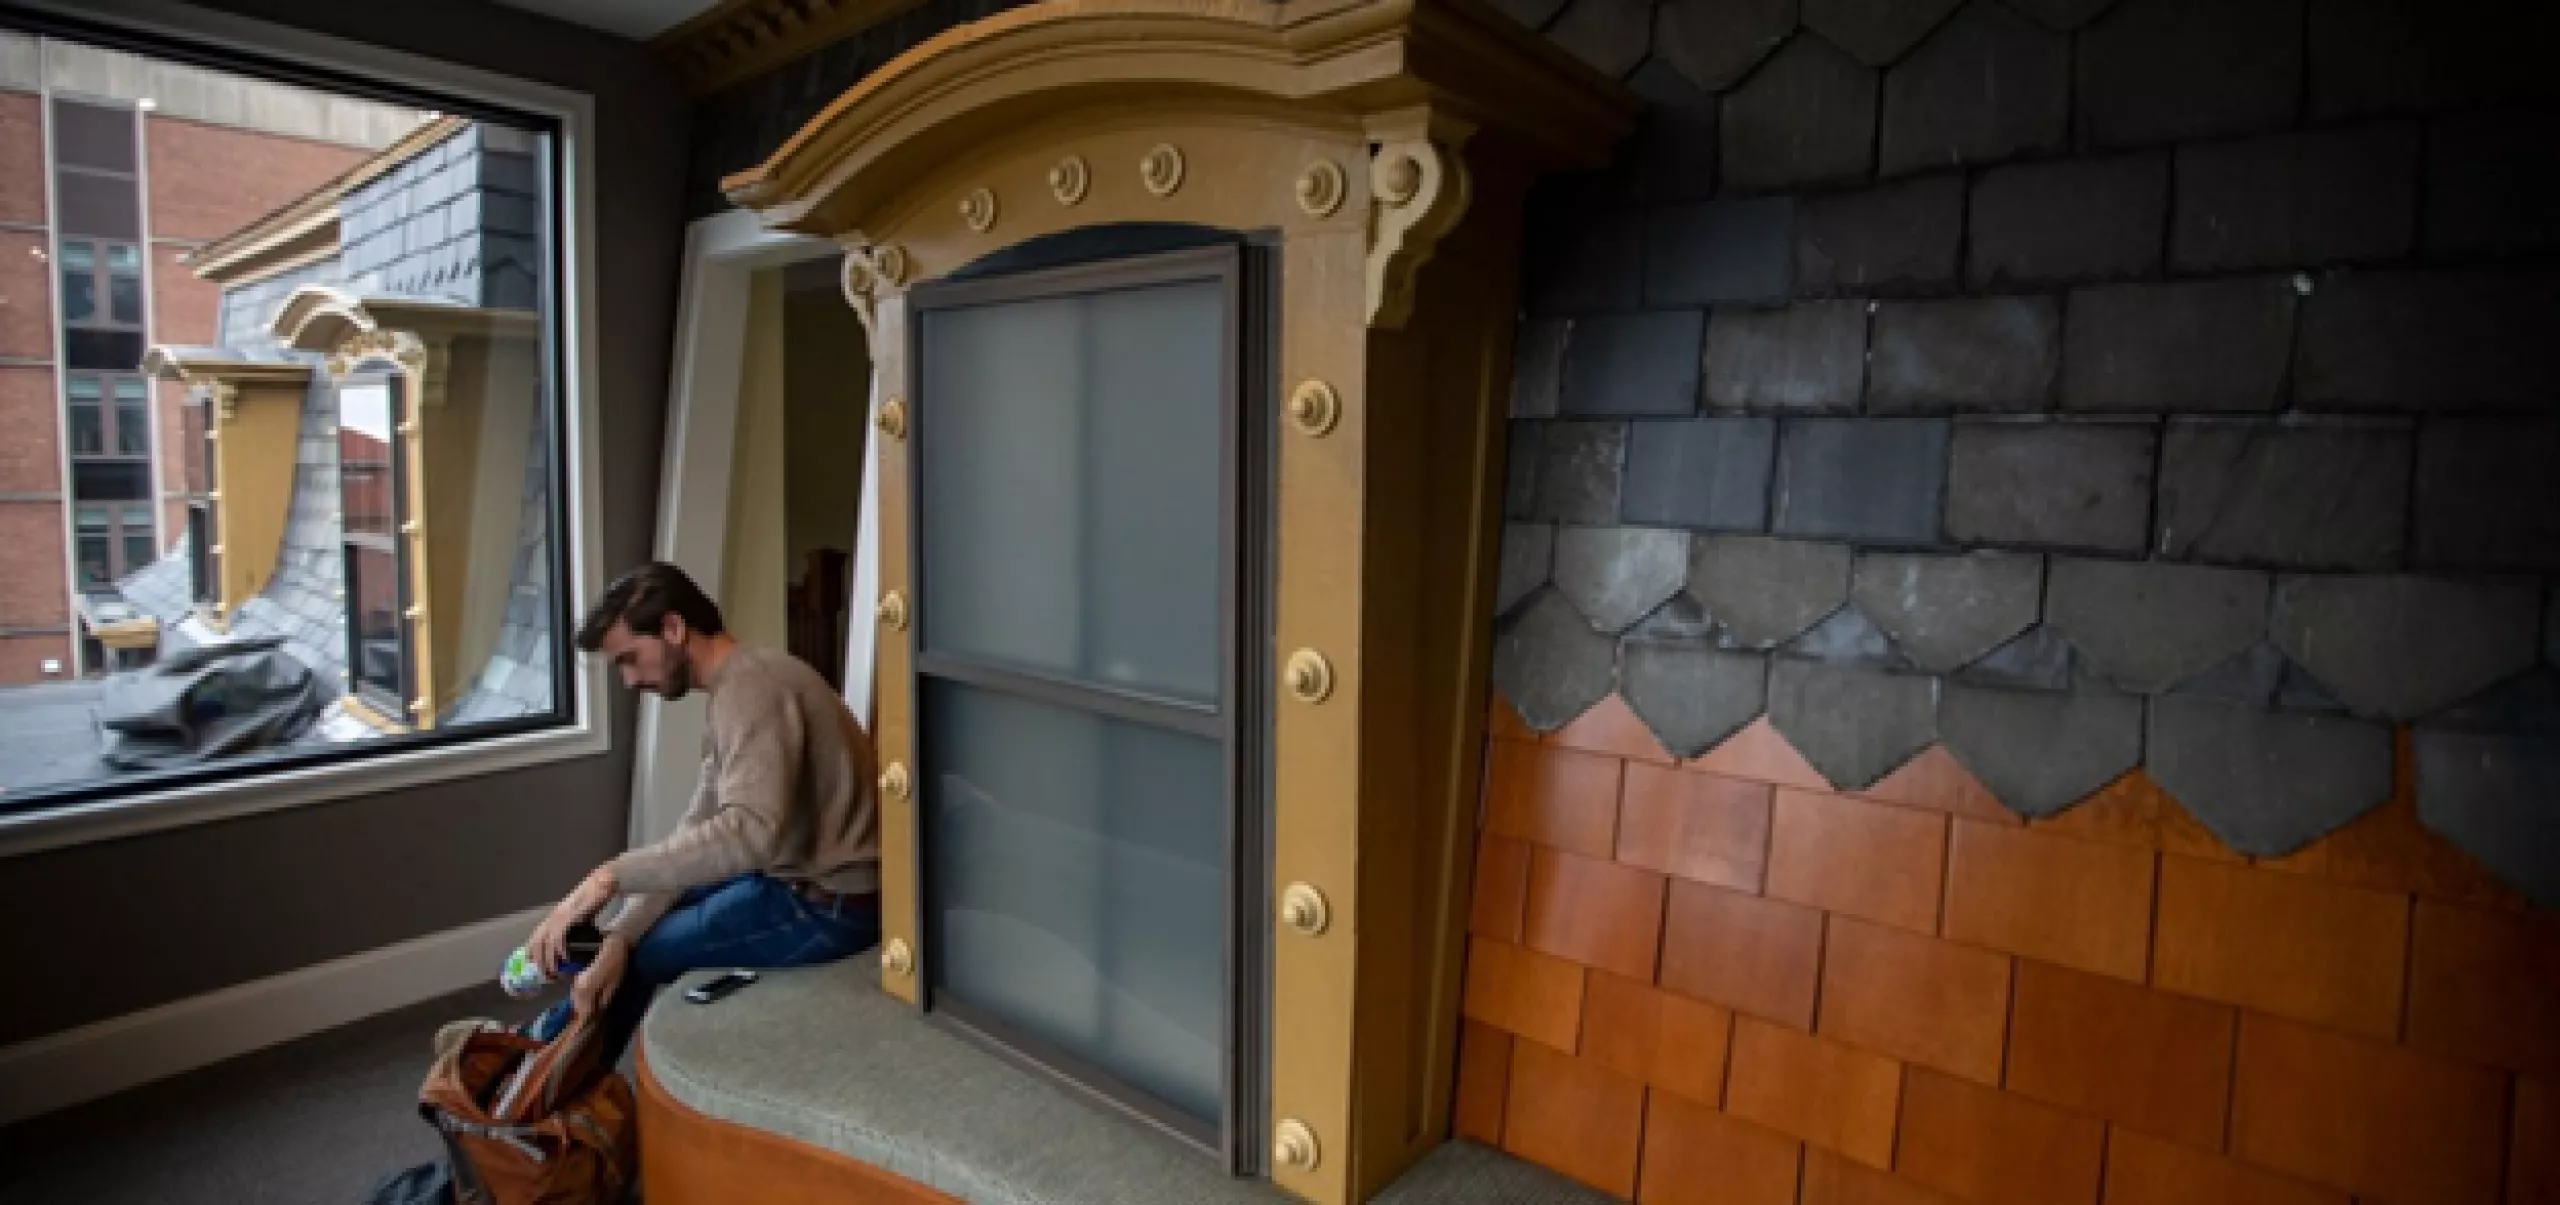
pixel 1388 143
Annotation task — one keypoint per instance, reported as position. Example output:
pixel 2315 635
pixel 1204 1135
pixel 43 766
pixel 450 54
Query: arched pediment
pixel 319 318
pixel 1323 66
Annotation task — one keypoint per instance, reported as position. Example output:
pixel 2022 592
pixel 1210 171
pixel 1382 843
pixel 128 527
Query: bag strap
pixel 554 1073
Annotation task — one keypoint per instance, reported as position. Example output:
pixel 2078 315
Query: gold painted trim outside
pixel 1437 112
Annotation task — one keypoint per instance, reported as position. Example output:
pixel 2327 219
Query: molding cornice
pixel 1340 62
pixel 739 39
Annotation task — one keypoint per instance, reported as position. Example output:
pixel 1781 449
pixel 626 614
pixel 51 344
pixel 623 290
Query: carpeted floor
pixel 316 1121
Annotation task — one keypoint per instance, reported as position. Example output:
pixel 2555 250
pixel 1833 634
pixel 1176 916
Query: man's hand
pixel 594 988
pixel 549 946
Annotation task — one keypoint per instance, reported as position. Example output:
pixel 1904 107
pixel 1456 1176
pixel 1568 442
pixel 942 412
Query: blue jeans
pixel 749 921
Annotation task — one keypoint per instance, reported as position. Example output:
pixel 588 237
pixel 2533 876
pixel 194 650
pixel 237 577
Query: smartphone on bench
pixel 714 988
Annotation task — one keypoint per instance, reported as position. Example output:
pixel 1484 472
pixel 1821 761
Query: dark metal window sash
pixel 1236 722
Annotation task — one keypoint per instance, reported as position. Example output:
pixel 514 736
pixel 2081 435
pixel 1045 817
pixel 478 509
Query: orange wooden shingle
pixel 1832 1180
pixel 1694 1155
pixel 1871 860
pixel 1555 797
pixel 2282 943
pixel 1502 722
pixel 1760 754
pixel 1757 956
pixel 2142 1170
pixel 2130 1054
pixel 1995 1147
pixel 2375 1120
pixel 1663 1038
pixel 1484 1081
pixel 1697 826
pixel 1525 992
pixel 1919 999
pixel 1575 1117
pixel 1501 888
pixel 2134 810
pixel 1834 1096
pixel 1936 780
pixel 2533 1156
pixel 2485 986
pixel 2084 904
pixel 1596 913
pixel 1613 728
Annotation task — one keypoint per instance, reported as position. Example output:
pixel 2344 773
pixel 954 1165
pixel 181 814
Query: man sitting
pixel 777 860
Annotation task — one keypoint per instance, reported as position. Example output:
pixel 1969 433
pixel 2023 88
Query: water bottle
pixel 520 977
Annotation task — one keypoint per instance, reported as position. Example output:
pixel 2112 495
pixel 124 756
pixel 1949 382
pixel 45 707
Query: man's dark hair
pixel 643 598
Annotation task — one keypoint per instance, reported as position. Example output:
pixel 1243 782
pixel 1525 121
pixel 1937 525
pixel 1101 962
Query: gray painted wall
pixel 128 924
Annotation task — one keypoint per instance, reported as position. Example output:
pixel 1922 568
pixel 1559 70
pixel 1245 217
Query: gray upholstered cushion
pixel 821 1056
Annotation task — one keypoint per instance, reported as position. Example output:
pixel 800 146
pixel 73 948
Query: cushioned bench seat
pixel 821 1057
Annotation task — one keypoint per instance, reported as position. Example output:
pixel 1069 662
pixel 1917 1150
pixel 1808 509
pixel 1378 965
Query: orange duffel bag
pixel 533 1123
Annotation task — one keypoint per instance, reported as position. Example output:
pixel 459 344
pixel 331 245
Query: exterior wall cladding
pixel 458 221
pixel 2027 664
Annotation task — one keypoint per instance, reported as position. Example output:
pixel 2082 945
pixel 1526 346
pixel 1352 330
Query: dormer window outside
pixel 372 489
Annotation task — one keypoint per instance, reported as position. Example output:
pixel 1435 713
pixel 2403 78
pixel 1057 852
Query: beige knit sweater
pixel 786 789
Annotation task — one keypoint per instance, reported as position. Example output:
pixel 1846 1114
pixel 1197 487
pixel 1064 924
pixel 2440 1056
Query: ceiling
pixel 638 20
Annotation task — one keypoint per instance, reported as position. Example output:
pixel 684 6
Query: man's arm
pixel 640 912
pixel 759 734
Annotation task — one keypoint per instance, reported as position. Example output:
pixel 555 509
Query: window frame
pixel 1240 719
pixel 111 424
pixel 115 808
pixel 102 277
pixel 394 541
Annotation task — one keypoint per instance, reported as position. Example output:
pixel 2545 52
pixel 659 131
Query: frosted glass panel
pixel 1077 878
pixel 1072 450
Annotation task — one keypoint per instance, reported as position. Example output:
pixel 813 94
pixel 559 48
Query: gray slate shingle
pixel 1853 725
pixel 2039 752
pixel 2238 70
pixel 2487 495
pixel 1875 480
pixel 2298 495
pixel 1986 86
pixel 2298 199
pixel 2211 345
pixel 2148 625
pixel 1551 665
pixel 1985 353
pixel 1945 612
pixel 2434 341
pixel 2267 782
pixel 1692 698
pixel 1806 117
pixel 1805 357
pixel 1706 473
pixel 2069 485
pixel 1876 32
pixel 1630 364
pixel 1766 591
pixel 1617 575
pixel 2068 220
pixel 2401 647
pixel 1892 240
pixel 1528 550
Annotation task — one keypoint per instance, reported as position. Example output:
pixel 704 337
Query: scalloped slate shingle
pixel 2040 751
pixel 1717 42
pixel 2401 647
pixel 1854 725
pixel 1876 32
pixel 1946 611
pixel 2267 782
pixel 1551 665
pixel 2148 625
pixel 2488 773
pixel 1528 549
pixel 1988 85
pixel 1765 591
pixel 1692 698
pixel 1609 35
pixel 1807 116
pixel 1616 575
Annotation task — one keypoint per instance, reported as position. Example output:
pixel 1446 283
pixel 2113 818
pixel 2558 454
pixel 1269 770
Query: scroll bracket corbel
pixel 1419 187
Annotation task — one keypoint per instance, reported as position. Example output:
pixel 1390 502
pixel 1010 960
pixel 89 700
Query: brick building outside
pixel 113 170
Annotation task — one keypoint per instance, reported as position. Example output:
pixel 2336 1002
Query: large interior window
pixel 1089 804
pixel 372 479
pixel 409 235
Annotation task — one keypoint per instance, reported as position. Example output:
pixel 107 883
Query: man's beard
pixel 679 680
